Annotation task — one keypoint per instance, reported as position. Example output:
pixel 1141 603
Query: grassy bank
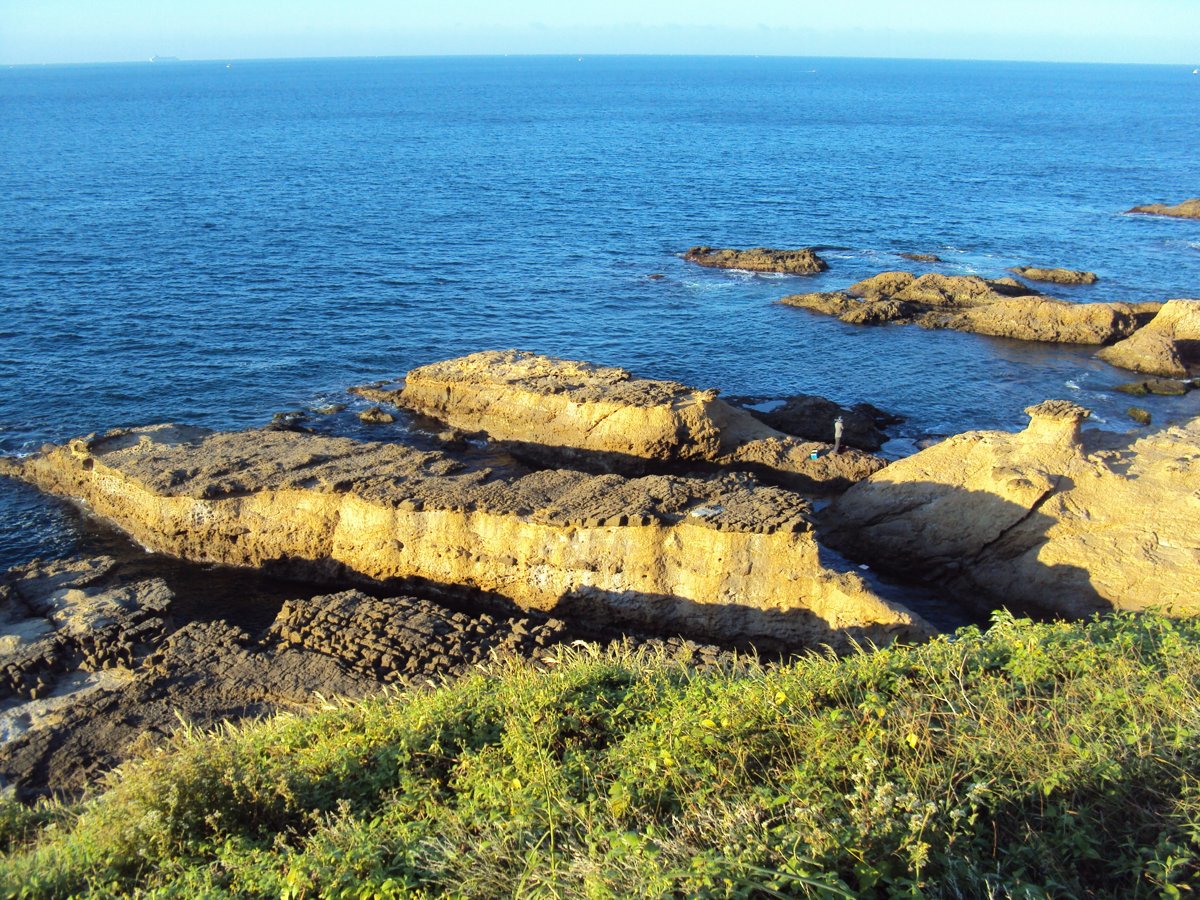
pixel 1025 760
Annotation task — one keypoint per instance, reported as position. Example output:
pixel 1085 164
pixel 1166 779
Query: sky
pixel 1118 31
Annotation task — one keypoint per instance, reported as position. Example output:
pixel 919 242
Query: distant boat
pixel 164 59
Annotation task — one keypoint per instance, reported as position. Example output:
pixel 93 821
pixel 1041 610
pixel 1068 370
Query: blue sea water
pixel 211 243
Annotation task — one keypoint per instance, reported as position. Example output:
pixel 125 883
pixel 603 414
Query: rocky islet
pixel 1055 275
pixel 1001 307
pixel 1188 209
pixel 804 261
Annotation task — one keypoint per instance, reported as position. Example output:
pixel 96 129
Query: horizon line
pixel 166 59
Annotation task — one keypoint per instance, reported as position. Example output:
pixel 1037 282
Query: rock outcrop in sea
pixel 721 556
pixel 1051 518
pixel 804 261
pixel 603 418
pixel 1188 209
pixel 1056 275
pixel 1002 308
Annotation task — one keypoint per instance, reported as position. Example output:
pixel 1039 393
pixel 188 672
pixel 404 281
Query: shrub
pixel 1027 760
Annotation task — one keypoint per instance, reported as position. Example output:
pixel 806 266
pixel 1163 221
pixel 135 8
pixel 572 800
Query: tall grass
pixel 1027 760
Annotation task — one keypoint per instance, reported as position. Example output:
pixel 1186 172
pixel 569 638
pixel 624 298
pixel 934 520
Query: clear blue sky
pixel 51 31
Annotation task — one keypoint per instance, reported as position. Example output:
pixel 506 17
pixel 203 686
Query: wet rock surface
pixel 1163 387
pixel 804 261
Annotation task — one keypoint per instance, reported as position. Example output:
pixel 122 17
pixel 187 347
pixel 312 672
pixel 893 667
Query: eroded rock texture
pixel 1048 518
pixel 720 556
pixel 601 417
pixel 101 663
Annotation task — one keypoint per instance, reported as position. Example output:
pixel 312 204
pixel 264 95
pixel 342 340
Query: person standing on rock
pixel 837 434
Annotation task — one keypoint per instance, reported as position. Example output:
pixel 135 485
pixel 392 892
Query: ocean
pixel 215 242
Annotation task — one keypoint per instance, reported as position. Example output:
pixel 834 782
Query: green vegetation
pixel 1027 760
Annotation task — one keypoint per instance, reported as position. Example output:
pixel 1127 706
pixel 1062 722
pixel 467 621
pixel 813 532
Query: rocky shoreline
pixel 101 660
pixel 555 501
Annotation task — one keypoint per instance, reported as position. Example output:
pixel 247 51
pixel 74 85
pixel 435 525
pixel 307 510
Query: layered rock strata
pixel 1168 346
pixel 1049 518
pixel 1188 209
pixel 721 556
pixel 601 417
pixel 1056 275
pixel 1001 308
pixel 804 261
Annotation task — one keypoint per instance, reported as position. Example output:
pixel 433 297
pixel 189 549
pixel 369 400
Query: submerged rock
pixel 1168 346
pixel 1051 518
pixel 1163 387
pixel 759 259
pixel 375 416
pixel 600 417
pixel 719 556
pixel 1139 414
pixel 921 257
pixel 1001 307
pixel 1055 275
pixel 1188 209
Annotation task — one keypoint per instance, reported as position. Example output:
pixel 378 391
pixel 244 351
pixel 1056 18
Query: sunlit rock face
pixel 1049 518
pixel 720 556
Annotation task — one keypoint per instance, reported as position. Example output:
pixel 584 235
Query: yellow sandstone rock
pixel 1169 345
pixel 722 557
pixel 1002 307
pixel 1051 517
pixel 550 409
